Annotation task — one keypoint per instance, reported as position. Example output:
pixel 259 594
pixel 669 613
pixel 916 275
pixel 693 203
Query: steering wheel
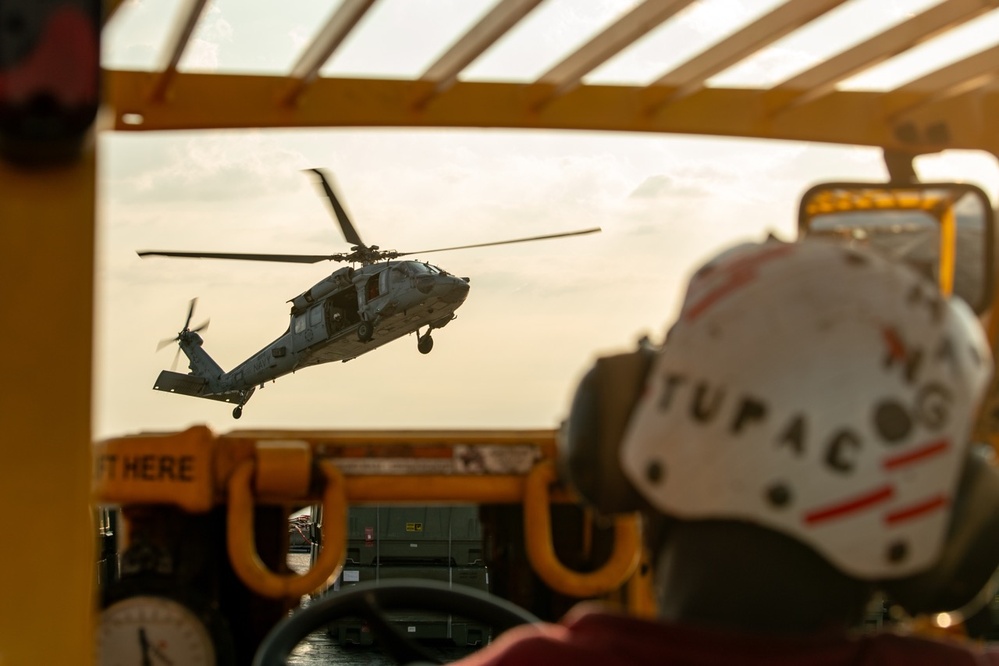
pixel 369 600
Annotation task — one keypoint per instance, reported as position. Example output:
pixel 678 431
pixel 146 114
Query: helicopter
pixel 377 298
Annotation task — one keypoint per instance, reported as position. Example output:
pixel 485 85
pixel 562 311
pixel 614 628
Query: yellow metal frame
pixel 838 200
pixel 47 229
pixel 948 249
pixel 244 469
pixel 950 107
pixel 132 470
pixel 940 208
pixel 46 577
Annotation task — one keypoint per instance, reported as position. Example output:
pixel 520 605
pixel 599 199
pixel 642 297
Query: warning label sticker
pixel 475 459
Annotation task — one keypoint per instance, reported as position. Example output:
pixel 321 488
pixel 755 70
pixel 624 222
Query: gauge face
pixel 150 630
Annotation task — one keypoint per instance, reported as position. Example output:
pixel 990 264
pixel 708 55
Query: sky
pixel 537 314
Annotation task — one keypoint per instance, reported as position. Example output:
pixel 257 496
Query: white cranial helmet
pixel 819 391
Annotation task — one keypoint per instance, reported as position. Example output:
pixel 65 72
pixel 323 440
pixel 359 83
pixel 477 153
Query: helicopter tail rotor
pixel 186 331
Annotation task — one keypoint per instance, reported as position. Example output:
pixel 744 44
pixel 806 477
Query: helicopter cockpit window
pixel 316 315
pixel 400 273
pixel 416 268
pixel 301 323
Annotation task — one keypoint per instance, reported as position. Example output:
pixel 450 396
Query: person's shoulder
pixel 916 650
pixel 597 612
pixel 525 645
pixel 544 644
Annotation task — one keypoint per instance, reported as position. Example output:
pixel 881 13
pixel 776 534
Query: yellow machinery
pixel 47 215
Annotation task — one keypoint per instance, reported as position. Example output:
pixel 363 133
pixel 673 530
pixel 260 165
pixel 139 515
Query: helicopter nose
pixel 455 290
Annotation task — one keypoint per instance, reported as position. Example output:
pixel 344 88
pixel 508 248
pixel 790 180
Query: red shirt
pixel 588 637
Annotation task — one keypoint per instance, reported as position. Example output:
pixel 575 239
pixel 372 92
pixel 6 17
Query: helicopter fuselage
pixel 349 313
pixel 395 297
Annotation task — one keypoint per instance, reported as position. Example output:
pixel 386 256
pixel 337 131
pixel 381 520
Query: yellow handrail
pixel 613 574
pixel 243 552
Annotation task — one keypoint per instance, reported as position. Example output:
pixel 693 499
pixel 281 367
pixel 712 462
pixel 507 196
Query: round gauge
pixel 147 630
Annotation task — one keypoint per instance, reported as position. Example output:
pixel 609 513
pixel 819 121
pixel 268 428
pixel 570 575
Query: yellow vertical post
pixel 47 560
pixel 948 250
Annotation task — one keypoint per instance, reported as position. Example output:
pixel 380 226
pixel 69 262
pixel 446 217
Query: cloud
pixel 662 185
pixel 204 169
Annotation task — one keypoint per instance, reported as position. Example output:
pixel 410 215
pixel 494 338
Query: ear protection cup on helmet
pixel 591 436
pixel 970 554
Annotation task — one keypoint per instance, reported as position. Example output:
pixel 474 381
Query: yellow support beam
pixel 204 101
pixel 47 553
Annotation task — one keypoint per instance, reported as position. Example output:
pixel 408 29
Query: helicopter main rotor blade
pixel 349 232
pixel 505 242
pixel 285 258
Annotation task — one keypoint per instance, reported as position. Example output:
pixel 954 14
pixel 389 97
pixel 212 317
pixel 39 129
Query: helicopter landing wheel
pixel 237 412
pixel 365 330
pixel 425 343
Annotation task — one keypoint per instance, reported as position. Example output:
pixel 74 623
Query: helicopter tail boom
pixel 206 379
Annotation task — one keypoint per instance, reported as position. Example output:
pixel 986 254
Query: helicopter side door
pixel 309 327
pixel 341 310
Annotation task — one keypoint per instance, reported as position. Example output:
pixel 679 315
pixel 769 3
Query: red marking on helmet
pixel 915 455
pixel 916 510
pixel 738 272
pixel 896 348
pixel 59 63
pixel 849 506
